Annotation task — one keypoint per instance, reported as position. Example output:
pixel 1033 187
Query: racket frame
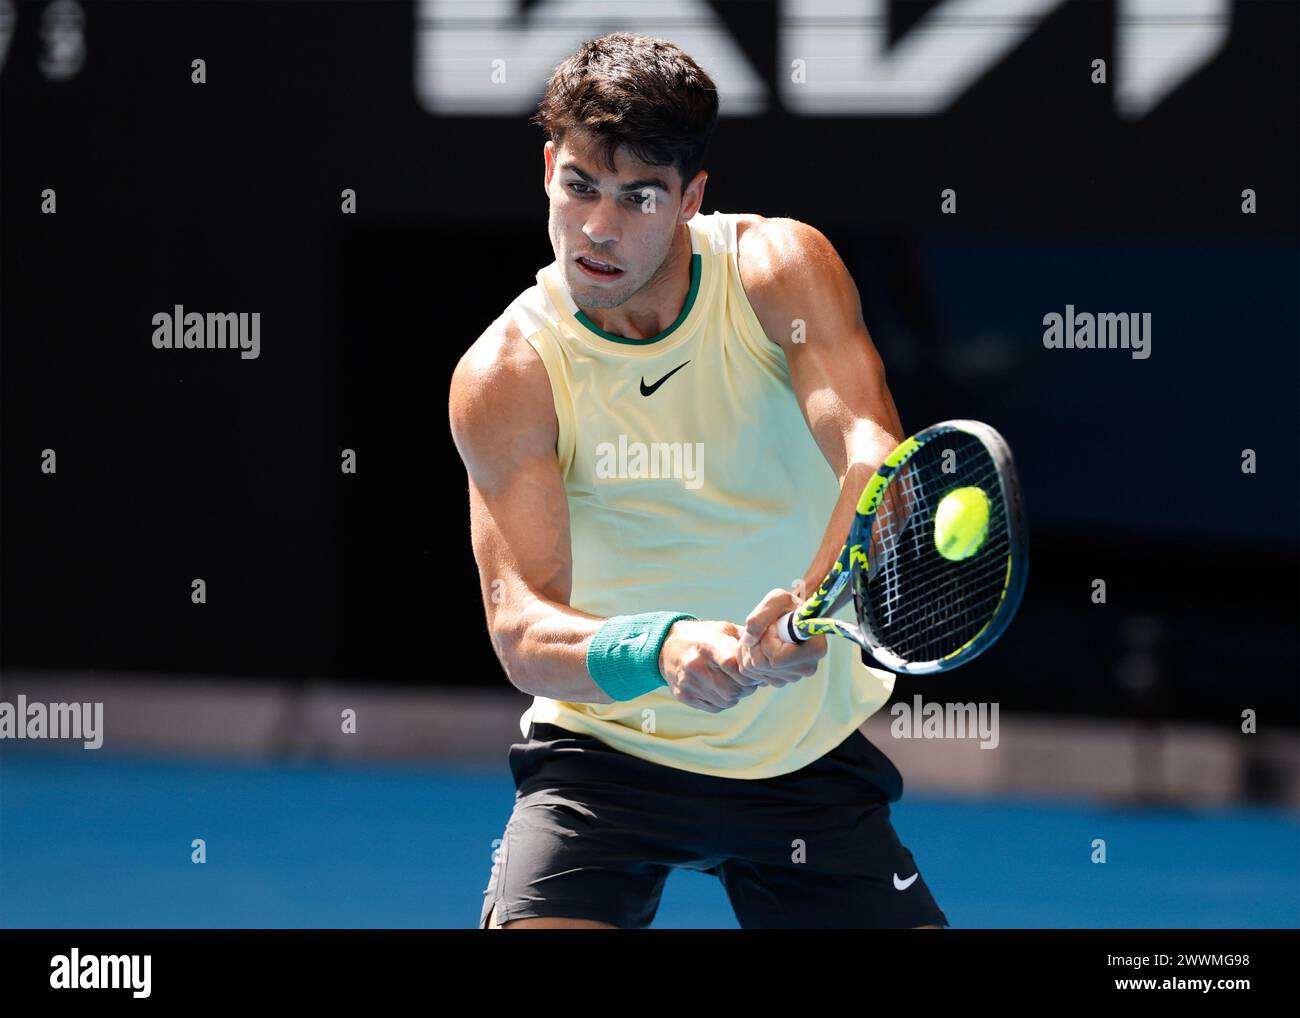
pixel 812 618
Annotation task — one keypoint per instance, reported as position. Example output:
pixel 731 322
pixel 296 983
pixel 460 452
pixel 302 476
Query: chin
pixel 596 297
pixel 599 299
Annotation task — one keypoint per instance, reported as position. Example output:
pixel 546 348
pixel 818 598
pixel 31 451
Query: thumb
pixel 775 604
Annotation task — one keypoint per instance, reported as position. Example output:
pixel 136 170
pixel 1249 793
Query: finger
pixel 738 667
pixel 705 687
pixel 779 653
pixel 754 665
pixel 731 686
pixel 728 683
pixel 691 700
pixel 794 661
pixel 725 659
pixel 774 604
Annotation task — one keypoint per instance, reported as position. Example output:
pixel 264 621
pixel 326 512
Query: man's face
pixel 626 219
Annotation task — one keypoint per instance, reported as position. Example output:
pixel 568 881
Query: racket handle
pixel 785 626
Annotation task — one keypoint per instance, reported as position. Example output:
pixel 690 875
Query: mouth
pixel 597 269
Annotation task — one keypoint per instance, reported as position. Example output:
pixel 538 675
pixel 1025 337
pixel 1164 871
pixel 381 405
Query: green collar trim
pixel 696 271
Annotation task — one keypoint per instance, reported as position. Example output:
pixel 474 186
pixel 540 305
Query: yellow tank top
pixel 700 497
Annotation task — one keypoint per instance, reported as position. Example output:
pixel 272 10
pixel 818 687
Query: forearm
pixel 543 648
pixel 852 482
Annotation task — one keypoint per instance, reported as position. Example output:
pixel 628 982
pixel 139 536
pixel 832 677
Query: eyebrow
pixel 633 185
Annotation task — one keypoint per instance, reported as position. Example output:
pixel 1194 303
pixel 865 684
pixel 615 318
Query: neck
pixel 657 304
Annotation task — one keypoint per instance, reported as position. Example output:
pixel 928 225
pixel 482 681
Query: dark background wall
pixel 226 197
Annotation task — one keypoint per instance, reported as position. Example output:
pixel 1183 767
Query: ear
pixel 548 160
pixel 693 195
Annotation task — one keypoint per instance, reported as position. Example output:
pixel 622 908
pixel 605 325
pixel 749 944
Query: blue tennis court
pixel 105 841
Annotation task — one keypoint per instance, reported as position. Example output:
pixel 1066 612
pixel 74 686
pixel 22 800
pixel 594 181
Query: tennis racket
pixel 918 611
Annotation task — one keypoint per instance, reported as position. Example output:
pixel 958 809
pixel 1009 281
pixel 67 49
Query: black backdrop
pixel 226 197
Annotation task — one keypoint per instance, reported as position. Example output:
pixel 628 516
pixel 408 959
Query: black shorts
pixel 595 832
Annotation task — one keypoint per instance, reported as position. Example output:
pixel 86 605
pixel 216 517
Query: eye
pixel 640 198
pixel 575 184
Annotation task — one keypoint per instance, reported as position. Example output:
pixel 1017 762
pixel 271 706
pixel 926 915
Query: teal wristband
pixel 623 657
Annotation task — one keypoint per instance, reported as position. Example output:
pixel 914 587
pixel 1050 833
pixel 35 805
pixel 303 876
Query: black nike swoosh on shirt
pixel 647 390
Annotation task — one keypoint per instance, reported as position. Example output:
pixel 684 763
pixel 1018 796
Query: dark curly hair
pixel 633 90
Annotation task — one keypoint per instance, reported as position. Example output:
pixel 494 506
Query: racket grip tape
pixel 785 626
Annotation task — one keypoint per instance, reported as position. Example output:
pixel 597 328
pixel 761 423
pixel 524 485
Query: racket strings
pixel 918 604
pixel 927 561
pixel 950 619
pixel 934 619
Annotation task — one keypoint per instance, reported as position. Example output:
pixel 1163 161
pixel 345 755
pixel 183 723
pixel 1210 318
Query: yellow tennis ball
pixel 961 523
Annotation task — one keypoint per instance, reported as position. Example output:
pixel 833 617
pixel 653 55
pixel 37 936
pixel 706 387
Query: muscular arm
pixel 503 423
pixel 791 272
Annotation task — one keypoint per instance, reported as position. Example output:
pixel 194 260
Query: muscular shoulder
pixel 786 265
pixel 499 359
pixel 774 252
pixel 500 400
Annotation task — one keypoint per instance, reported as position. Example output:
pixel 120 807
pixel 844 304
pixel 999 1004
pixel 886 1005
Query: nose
pixel 600 225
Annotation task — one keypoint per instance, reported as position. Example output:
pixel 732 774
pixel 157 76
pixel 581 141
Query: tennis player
pixel 678 415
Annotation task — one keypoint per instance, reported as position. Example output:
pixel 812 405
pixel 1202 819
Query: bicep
pixel 841 388
pixel 836 372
